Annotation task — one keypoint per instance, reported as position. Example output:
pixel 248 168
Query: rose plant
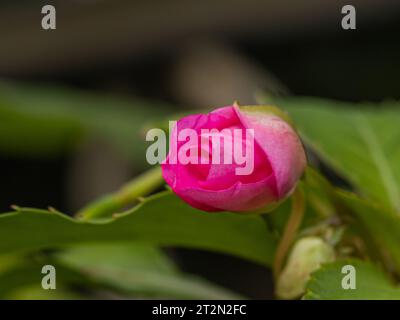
pixel 328 231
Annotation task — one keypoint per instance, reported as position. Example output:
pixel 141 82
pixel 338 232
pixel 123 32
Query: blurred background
pixel 156 58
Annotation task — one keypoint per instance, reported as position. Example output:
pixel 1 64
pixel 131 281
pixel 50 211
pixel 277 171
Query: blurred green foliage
pixel 46 121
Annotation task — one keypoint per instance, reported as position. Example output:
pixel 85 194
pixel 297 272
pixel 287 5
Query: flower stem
pixel 291 228
pixel 127 195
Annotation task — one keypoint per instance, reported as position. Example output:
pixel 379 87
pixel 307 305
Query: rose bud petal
pixel 273 153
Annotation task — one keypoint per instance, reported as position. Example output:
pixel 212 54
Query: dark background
pixel 189 54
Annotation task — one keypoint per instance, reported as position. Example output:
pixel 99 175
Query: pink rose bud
pixel 239 159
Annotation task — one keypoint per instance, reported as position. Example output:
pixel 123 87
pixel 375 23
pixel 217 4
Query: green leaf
pixel 125 270
pixel 141 270
pixel 379 224
pixel 117 269
pixel 161 220
pixel 37 293
pixel 371 283
pixel 359 141
pixel 130 256
pixel 26 274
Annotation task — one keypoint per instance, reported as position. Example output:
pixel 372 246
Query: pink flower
pixel 275 159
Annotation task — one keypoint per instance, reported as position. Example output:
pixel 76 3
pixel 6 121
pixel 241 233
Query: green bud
pixel 306 256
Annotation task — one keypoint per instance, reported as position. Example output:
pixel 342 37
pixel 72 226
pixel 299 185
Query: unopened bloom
pixel 235 158
pixel 306 256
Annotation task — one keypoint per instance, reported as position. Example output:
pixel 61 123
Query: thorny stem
pixel 291 228
pixel 127 195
